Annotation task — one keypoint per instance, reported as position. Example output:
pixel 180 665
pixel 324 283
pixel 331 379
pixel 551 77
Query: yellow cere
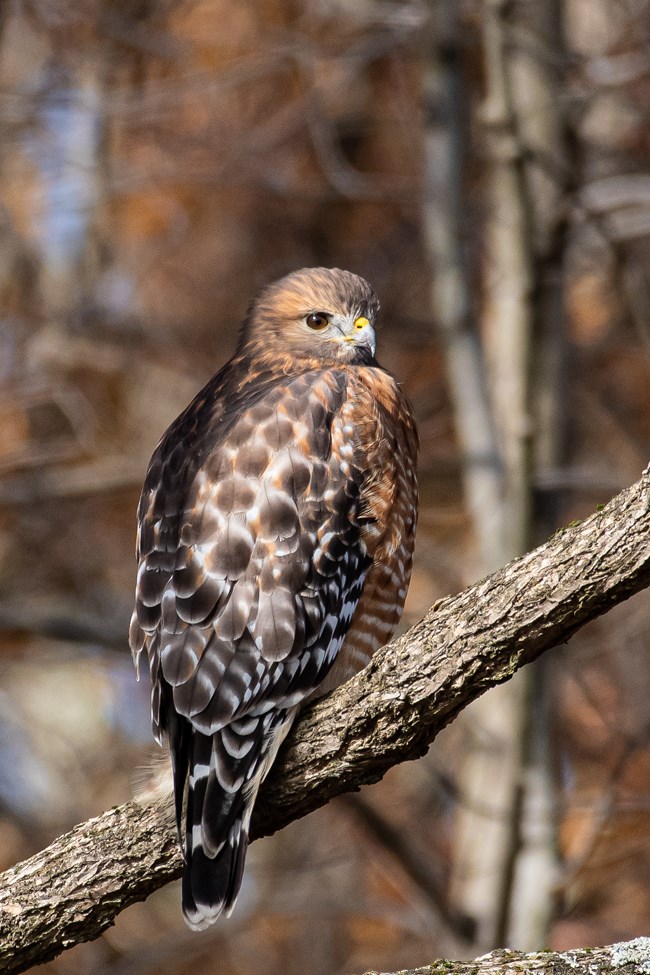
pixel 361 322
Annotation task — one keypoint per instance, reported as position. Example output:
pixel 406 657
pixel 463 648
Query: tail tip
pixel 211 884
pixel 199 917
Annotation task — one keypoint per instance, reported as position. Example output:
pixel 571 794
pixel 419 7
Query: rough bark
pixel 625 958
pixel 389 713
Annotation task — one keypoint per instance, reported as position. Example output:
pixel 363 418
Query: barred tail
pixel 226 770
pixel 210 885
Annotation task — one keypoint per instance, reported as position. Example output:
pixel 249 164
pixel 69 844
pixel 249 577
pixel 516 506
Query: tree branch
pixel 625 958
pixel 387 714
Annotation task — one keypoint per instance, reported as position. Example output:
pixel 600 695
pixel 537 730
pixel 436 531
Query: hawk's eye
pixel 318 320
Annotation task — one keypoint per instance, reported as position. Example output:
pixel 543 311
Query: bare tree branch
pixel 626 958
pixel 388 714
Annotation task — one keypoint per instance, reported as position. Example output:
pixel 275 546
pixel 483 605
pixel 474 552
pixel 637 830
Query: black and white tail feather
pixel 227 769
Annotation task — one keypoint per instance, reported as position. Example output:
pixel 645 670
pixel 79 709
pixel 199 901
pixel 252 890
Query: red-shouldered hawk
pixel 275 537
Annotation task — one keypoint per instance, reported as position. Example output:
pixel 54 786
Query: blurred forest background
pixel 486 165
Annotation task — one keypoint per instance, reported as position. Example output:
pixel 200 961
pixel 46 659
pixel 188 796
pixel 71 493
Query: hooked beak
pixel 359 332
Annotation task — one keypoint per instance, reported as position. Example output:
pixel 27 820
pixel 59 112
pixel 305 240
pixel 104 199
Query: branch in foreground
pixel 387 714
pixel 626 958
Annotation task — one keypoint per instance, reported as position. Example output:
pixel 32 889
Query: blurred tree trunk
pixel 505 406
pixel 523 330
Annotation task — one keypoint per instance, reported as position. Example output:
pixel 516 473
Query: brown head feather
pixel 275 322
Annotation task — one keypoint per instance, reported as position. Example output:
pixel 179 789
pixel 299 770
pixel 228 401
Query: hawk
pixel 275 538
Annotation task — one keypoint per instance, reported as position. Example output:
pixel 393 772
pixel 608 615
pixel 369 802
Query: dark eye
pixel 318 320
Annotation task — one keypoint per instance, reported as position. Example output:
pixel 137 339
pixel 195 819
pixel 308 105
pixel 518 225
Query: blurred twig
pixel 395 843
pixel 59 621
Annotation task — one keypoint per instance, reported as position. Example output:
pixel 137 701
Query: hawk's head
pixel 318 313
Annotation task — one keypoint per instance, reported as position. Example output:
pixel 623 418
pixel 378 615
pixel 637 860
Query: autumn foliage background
pixel 486 166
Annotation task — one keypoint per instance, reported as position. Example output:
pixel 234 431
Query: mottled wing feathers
pixel 246 561
pixel 251 567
